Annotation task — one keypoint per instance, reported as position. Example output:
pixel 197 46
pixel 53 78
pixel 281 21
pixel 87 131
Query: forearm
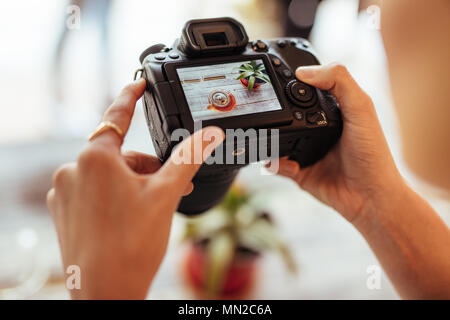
pixel 411 242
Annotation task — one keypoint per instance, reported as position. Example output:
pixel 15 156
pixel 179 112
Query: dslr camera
pixel 213 75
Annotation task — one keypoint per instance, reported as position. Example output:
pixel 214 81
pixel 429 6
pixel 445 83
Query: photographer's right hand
pixel 359 179
pixel 359 170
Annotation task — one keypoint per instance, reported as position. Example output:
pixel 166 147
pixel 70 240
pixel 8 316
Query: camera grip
pixel 310 148
pixel 302 153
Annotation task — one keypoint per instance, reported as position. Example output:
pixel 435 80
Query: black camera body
pixel 213 75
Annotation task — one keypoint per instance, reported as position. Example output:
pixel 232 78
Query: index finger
pixel 120 113
pixel 189 155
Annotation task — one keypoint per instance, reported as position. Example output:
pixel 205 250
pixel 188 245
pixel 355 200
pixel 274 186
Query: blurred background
pixel 61 64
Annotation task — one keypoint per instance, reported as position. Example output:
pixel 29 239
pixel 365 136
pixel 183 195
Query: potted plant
pixel 224 247
pixel 252 75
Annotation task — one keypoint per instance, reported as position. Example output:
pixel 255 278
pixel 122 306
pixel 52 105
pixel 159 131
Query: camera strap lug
pixel 140 70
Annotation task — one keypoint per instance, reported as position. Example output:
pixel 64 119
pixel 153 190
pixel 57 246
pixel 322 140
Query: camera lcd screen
pixel 228 89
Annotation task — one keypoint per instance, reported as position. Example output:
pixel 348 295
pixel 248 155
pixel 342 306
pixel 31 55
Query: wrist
pixel 107 291
pixel 106 281
pixel 382 204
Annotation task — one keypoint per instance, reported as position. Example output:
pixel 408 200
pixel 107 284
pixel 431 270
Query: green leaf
pixel 243 68
pixel 220 254
pixel 262 235
pixel 245 75
pixel 234 199
pixel 264 78
pixel 260 67
pixel 288 259
pixel 190 231
pixel 251 82
pixel 207 225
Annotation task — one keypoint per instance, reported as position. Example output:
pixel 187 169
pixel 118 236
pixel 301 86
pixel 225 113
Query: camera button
pixel 318 118
pixel 287 73
pixel 300 93
pixel 276 62
pixel 160 56
pixel 173 55
pixel 298 115
pixel 259 46
pixel 281 43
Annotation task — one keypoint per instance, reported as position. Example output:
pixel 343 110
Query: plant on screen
pixel 254 73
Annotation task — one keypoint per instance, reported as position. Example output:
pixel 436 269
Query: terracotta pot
pixel 239 280
pixel 256 85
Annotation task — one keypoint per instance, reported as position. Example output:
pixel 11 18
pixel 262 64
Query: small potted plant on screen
pixel 252 75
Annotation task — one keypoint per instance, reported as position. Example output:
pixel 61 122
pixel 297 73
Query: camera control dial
pixel 300 93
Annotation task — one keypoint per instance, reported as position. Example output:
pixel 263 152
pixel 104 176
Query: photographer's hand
pixel 113 211
pixel 360 167
pixel 359 179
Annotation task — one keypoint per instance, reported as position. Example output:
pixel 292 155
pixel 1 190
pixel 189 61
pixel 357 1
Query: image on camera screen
pixel 228 89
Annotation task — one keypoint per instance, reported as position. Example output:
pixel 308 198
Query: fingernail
pixel 306 72
pixel 138 81
pixel 288 169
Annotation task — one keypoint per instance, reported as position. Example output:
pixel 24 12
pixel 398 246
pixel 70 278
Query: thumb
pixel 336 78
pixel 141 163
pixel 189 155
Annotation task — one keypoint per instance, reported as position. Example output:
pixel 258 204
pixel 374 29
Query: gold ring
pixel 104 126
